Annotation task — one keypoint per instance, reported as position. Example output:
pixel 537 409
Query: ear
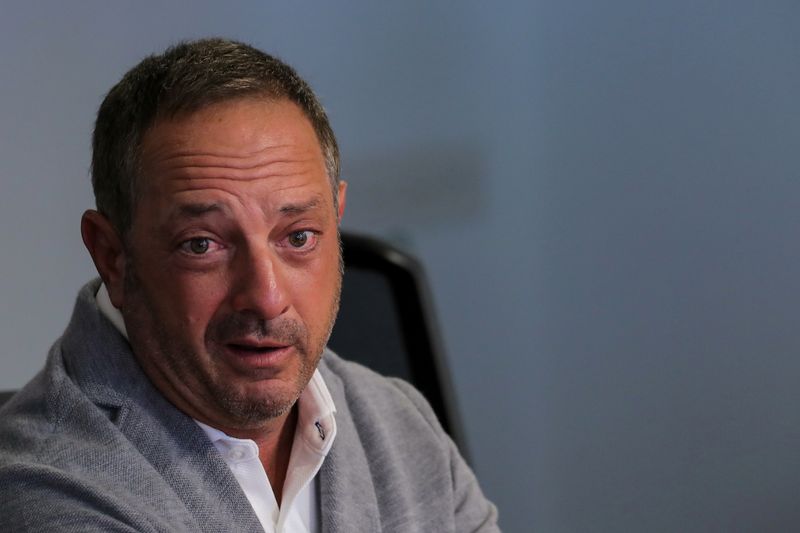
pixel 342 199
pixel 108 253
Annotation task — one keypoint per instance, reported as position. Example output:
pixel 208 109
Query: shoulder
pixel 51 430
pixel 358 379
pixel 386 418
pixel 72 503
pixel 418 475
pixel 371 397
pixel 49 453
pixel 35 413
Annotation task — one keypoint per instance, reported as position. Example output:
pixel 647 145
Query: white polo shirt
pixel 313 437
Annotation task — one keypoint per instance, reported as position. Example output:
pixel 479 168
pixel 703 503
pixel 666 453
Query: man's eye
pixel 196 246
pixel 300 239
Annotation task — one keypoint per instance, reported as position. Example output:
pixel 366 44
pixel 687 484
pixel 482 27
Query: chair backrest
pixel 386 322
pixel 5 396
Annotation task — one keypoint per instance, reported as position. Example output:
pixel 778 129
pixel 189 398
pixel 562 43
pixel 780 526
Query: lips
pixel 255 349
pixel 250 354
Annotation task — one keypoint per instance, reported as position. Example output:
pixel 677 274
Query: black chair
pixel 386 322
pixel 5 396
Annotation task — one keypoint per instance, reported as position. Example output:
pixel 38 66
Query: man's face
pixel 232 274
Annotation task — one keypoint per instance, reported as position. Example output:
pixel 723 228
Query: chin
pixel 251 408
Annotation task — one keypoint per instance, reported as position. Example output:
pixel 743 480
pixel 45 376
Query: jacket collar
pixel 99 360
pixel 346 479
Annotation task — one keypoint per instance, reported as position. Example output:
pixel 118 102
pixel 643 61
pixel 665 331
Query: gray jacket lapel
pixel 100 361
pixel 347 493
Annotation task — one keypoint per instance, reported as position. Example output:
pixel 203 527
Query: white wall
pixel 606 195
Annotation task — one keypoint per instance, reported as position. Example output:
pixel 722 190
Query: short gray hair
pixel 186 78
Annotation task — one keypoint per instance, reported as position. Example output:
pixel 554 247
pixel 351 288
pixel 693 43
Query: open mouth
pixel 259 354
pixel 248 348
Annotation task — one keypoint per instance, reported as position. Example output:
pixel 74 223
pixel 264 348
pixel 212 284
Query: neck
pixel 274 441
pixel 274 451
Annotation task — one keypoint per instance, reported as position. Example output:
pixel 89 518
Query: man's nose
pixel 260 287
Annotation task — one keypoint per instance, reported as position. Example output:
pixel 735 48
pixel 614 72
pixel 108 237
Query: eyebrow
pixel 197 210
pixel 299 209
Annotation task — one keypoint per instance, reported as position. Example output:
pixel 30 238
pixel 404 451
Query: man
pixel 192 390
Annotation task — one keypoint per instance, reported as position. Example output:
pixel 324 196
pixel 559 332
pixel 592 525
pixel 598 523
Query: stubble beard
pixel 154 347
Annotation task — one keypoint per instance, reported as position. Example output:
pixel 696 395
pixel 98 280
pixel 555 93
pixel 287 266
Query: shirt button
pixel 237 454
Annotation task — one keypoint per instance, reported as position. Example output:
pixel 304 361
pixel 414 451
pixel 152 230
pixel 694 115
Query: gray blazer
pixel 90 445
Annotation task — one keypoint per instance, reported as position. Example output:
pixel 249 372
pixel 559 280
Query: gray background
pixel 605 195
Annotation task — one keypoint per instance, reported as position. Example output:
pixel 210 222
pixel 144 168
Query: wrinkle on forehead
pixel 204 174
pixel 245 141
pixel 172 156
pixel 273 160
pixel 241 154
pixel 225 161
pixel 193 173
pixel 198 170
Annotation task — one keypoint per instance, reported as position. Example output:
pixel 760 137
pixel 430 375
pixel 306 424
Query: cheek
pixel 316 292
pixel 192 301
pixel 302 280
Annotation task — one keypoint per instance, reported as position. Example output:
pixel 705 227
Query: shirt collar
pixel 109 311
pixel 316 424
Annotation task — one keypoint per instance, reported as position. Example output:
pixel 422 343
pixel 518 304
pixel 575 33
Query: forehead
pixel 248 139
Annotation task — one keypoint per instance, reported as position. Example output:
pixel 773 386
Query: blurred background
pixel 605 196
